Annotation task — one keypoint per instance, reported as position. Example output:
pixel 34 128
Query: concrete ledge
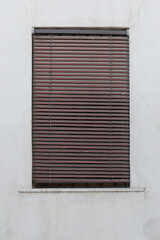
pixel 80 190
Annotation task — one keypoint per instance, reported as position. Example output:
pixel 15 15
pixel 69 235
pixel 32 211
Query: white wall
pixel 77 215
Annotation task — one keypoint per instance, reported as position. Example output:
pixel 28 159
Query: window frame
pixel 79 31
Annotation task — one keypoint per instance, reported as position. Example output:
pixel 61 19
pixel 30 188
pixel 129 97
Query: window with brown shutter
pixel 80 118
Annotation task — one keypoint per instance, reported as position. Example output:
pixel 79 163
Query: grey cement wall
pixel 70 215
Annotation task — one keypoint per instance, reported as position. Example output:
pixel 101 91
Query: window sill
pixel 80 190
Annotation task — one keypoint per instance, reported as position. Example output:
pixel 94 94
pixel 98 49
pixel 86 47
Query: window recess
pixel 80 108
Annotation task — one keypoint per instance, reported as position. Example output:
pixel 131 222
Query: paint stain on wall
pixel 152 229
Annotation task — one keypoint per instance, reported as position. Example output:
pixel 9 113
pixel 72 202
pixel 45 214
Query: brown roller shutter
pixel 80 108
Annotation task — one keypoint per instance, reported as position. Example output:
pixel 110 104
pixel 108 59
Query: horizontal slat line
pixel 60 162
pixel 70 88
pixel 86 96
pixel 84 121
pixel 98 89
pixel 71 136
pixel 73 103
pixel 81 75
pixel 80 31
pixel 81 42
pixel 81 171
pixel 109 122
pixel 81 174
pixel 110 127
pixel 44 93
pixel 59 141
pixel 120 120
pixel 46 69
pixel 79 47
pixel 98 77
pixel 115 78
pixel 42 46
pixel 86 72
pixel 95 63
pixel 81 156
pixel 75 156
pixel 47 125
pixel 74 106
pixel 83 78
pixel 102 144
pixel 78 168
pixel 40 57
pixel 79 100
pixel 40 68
pixel 61 115
pixel 72 179
pixel 63 111
pixel 60 61
pixel 82 91
pixel 88 58
pixel 115 128
pixel 82 48
pixel 79 38
pixel 80 165
pixel 82 54
pixel 78 133
pixel 115 125
pixel 94 90
pixel 40 146
pixel 116 82
pixel 57 82
pixel 87 112
pixel 79 67
pixel 37 147
pixel 88 155
pixel 79 71
pixel 85 150
pixel 57 175
pixel 83 98
pixel 82 86
pixel 109 170
pixel 80 51
pixel 121 97
pixel 85 44
pixel 100 162
pixel 75 180
pixel 80 152
pixel 76 86
pixel 38 142
pixel 80 105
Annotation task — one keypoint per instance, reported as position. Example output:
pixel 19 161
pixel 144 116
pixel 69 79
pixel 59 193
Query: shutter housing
pixel 80 108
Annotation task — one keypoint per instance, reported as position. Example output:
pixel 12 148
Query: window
pixel 80 108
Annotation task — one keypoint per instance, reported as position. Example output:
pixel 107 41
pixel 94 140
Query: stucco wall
pixel 79 215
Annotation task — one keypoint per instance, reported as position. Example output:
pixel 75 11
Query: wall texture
pixel 77 215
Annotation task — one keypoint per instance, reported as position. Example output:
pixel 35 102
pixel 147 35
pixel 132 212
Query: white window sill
pixel 80 190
